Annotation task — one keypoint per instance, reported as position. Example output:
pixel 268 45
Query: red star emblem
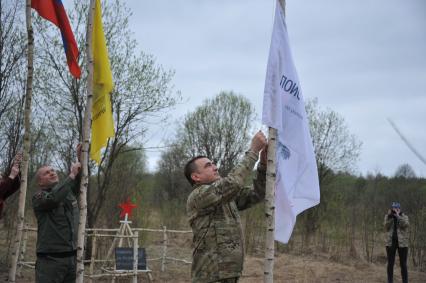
pixel 126 208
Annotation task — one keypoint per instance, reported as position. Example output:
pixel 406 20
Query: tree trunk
pixel 26 146
pixel 85 149
pixel 270 209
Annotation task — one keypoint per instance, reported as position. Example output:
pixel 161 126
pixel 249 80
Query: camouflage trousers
pixel 228 280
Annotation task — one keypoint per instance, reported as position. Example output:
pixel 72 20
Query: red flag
pixel 53 11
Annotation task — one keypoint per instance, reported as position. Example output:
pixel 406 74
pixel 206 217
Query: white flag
pixel 297 187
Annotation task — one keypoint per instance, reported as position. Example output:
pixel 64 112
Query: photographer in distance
pixel 396 226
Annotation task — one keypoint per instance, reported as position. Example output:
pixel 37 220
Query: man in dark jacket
pixel 9 185
pixel 396 226
pixel 56 209
pixel 213 212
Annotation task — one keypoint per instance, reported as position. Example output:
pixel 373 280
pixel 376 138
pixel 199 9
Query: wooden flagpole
pixel 270 209
pixel 26 145
pixel 268 272
pixel 85 147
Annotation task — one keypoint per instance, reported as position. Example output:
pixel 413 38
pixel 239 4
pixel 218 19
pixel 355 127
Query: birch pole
pixel 268 271
pixel 26 145
pixel 270 209
pixel 85 148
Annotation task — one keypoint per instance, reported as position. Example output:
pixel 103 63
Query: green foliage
pixel 125 182
pixel 351 213
pixel 173 214
pixel 171 182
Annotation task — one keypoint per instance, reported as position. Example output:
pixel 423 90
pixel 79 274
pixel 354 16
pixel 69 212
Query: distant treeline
pixel 348 223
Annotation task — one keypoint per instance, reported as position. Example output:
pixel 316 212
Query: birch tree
pixel 13 47
pixel 85 147
pixel 26 145
pixel 141 95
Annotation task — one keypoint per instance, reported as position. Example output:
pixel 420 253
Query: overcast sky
pixel 363 59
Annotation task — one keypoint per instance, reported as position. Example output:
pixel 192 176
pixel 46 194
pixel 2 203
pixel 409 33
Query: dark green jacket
pixel 7 188
pixel 57 213
pixel 215 221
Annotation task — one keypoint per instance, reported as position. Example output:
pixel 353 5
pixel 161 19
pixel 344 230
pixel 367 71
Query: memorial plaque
pixel 124 259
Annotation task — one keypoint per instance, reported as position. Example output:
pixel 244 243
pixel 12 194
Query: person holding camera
pixel 396 226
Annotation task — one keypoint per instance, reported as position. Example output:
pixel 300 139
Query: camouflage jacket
pixel 57 214
pixel 402 230
pixel 218 244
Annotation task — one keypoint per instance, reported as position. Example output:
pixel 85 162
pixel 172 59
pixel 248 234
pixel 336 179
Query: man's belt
pixel 58 255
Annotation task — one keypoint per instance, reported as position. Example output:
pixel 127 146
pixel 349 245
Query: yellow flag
pixel 102 122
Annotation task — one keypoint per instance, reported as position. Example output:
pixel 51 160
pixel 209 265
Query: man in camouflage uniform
pixel 212 209
pixel 396 226
pixel 56 209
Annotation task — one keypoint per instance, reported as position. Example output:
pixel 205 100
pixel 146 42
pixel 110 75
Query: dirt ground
pixel 288 268
pixel 298 269
pixel 307 269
